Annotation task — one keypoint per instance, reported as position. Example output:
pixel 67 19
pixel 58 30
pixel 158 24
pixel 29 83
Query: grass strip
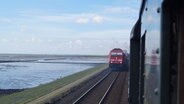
pixel 43 93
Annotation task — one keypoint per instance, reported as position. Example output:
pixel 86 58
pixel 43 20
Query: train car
pixel 157 54
pixel 118 60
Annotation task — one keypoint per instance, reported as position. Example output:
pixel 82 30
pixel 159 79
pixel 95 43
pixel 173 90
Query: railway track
pixel 99 92
pixel 108 90
pixel 119 92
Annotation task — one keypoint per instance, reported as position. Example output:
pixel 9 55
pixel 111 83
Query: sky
pixel 91 27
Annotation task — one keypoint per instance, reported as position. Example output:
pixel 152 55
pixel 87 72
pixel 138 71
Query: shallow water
pixel 18 75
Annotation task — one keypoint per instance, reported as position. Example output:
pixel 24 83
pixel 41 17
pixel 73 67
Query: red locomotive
pixel 118 59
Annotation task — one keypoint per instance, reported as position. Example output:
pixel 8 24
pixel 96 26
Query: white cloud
pixel 114 9
pixel 56 18
pixel 90 19
pixel 97 19
pixel 50 40
pixel 33 40
pixel 4 40
pixel 124 10
pixel 23 28
pixel 5 20
pixel 106 34
pixel 129 22
pixel 80 18
pixel 124 15
pixel 83 20
pixel 78 42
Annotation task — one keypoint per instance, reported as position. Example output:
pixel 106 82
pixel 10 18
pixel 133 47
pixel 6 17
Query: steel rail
pixel 108 90
pixel 89 90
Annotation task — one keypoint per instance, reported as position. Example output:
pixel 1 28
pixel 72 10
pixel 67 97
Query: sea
pixel 21 71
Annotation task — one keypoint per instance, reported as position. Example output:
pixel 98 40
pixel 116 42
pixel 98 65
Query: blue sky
pixel 66 26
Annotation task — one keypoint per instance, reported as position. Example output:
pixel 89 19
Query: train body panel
pixel 151 24
pixel 156 54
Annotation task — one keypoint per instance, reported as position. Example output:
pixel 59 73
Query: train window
pixel 119 53
pixel 116 53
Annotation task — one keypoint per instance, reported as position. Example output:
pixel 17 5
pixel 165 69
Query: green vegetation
pixel 45 89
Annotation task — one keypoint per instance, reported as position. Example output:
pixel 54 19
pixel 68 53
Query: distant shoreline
pixel 85 55
pixel 8 58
